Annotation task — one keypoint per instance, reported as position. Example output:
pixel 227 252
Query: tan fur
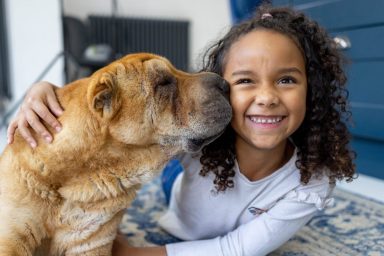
pixel 120 127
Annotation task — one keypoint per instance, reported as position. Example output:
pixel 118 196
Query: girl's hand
pixel 122 248
pixel 40 103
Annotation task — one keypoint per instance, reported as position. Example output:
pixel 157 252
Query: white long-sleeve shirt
pixel 251 219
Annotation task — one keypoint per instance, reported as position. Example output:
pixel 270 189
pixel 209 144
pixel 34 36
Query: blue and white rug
pixel 354 225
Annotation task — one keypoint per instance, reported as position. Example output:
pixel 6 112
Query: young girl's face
pixel 268 88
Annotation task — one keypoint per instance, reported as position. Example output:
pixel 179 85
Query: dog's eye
pixel 165 81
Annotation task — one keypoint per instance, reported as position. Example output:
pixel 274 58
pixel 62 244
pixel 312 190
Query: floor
pixel 364 185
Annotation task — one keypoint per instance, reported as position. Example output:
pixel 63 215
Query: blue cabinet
pixel 362 24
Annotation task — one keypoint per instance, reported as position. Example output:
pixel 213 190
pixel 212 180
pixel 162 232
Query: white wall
pixel 208 18
pixel 34 38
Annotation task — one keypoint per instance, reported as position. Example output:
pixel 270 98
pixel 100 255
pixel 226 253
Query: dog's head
pixel 144 100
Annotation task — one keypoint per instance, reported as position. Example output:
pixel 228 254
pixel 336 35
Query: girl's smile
pixel 265 121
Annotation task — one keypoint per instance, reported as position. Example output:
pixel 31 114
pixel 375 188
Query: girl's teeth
pixel 263 120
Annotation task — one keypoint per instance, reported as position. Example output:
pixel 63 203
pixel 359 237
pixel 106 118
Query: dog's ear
pixel 103 95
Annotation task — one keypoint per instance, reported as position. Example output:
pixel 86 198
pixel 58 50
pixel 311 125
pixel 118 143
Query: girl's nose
pixel 266 97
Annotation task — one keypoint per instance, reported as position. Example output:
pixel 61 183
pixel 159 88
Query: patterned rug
pixel 354 225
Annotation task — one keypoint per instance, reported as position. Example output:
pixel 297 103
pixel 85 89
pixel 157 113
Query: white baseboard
pixel 365 185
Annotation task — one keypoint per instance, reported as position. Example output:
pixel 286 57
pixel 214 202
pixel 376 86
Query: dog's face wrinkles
pixel 182 111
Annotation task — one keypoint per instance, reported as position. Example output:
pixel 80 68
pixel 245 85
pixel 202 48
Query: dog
pixel 121 126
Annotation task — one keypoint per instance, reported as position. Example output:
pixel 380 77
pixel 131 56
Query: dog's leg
pixel 20 235
pixel 13 250
pixel 16 245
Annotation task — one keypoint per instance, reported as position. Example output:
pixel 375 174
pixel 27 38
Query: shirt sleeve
pixel 265 232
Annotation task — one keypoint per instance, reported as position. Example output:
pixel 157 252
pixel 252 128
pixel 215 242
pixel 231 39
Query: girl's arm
pixel 258 237
pixel 122 248
pixel 40 103
pixel 266 232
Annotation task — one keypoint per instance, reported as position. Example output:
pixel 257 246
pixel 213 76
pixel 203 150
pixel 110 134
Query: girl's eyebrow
pixel 280 71
pixel 290 70
pixel 242 72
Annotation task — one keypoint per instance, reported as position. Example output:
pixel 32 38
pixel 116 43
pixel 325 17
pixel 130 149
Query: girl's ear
pixel 103 98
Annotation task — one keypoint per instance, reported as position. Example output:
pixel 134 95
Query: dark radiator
pixel 4 70
pixel 169 38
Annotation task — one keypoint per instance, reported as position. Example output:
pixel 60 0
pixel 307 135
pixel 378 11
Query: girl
pixel 249 191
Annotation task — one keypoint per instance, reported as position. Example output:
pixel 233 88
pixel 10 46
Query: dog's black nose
pixel 223 86
pixel 212 79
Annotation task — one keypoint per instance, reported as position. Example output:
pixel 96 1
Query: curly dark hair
pixel 323 138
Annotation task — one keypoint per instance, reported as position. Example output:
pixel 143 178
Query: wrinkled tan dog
pixel 120 127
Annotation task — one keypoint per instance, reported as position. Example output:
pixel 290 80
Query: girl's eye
pixel 243 81
pixel 287 80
